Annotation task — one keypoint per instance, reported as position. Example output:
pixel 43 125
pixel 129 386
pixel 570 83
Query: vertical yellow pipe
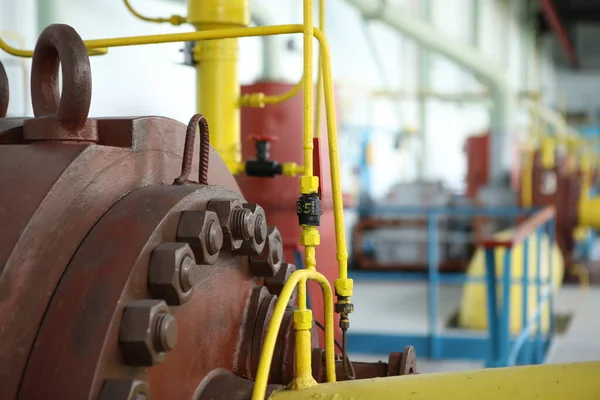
pixel 319 111
pixel 217 69
pixel 308 88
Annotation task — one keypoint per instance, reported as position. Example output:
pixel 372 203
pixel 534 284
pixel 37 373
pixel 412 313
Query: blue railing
pixel 496 347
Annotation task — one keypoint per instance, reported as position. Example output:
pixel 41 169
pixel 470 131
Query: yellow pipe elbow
pixel 589 213
pixel 173 19
pixel 266 356
pixel 549 382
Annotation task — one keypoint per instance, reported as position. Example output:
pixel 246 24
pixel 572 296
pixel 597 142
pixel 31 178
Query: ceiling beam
pixel 554 21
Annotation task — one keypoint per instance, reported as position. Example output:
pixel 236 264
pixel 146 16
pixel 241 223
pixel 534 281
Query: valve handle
pixel 264 138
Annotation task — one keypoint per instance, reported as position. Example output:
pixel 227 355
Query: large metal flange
pixel 107 275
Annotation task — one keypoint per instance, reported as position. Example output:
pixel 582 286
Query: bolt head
pixel 202 231
pixel 172 273
pixel 224 210
pixel 138 332
pixel 275 283
pixel 124 389
pixel 257 241
pixel 268 263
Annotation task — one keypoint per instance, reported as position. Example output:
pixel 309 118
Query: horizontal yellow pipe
pixel 577 381
pixel 261 99
pixel 29 53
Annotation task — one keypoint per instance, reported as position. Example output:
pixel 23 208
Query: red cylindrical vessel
pixel 278 195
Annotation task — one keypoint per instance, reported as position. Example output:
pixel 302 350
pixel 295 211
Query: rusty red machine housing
pixel 121 276
pixel 284 123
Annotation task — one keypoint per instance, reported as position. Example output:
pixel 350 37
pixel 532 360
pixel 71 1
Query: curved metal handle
pixel 197 121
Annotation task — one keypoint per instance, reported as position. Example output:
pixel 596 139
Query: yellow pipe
pixel 173 20
pixel 260 99
pixel 303 324
pixel 98 51
pixel 334 159
pixel 589 212
pixel 548 382
pixel 308 35
pixel 266 356
pixel 526 178
pixel 547 149
pixel 217 73
pixel 320 74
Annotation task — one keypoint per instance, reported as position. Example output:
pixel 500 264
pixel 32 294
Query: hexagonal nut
pixel 256 243
pixel 269 261
pixel 148 331
pixel 275 283
pixel 172 273
pixel 124 389
pixel 202 231
pixel 225 210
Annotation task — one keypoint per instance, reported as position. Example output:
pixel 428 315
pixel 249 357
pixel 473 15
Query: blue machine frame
pixel 497 348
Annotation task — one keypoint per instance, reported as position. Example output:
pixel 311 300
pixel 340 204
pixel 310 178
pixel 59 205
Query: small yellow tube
pixel 526 179
pixel 319 111
pixel 174 19
pixel 266 356
pixel 260 99
pixel 548 382
pixel 308 31
pixel 334 159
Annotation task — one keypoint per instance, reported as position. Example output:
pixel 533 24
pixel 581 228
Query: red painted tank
pixel 278 195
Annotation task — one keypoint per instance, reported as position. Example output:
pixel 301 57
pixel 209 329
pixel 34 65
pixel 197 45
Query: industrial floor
pixel 395 307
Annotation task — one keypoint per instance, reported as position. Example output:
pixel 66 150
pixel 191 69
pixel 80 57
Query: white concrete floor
pixel 396 307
